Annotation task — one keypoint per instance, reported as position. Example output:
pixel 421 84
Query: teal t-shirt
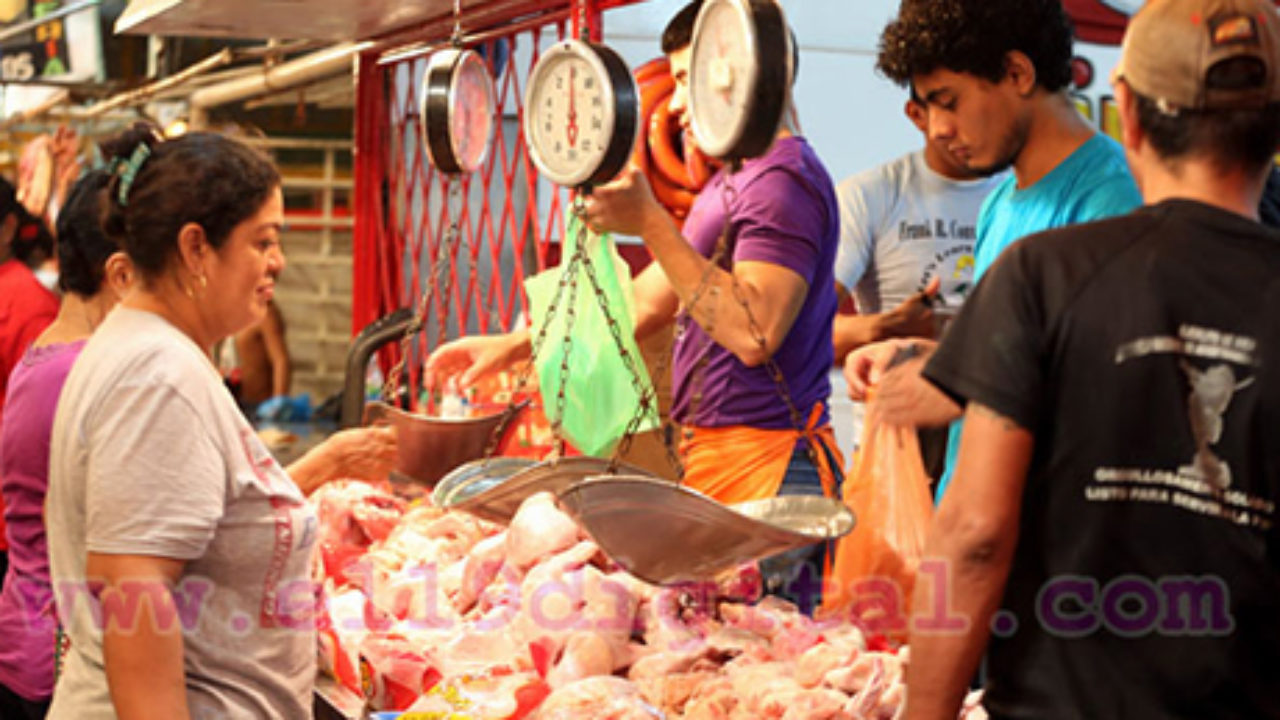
pixel 1091 184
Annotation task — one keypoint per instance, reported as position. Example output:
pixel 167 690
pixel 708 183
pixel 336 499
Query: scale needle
pixel 572 129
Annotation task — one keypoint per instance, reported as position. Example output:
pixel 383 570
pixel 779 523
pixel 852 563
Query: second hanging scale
pixel 581 120
pixel 458 113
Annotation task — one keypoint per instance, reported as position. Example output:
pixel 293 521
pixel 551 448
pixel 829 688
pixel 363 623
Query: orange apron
pixel 737 463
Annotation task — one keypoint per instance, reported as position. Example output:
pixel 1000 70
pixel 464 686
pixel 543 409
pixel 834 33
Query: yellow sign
pixel 1110 121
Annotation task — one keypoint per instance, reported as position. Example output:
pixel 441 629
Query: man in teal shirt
pixel 993 74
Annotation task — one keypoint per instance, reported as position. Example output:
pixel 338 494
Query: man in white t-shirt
pixel 907 230
pixel 902 224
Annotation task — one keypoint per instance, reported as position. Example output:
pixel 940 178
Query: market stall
pixel 481 585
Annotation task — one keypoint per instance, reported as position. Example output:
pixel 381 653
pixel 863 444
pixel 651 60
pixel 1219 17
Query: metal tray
pixel 667 534
pixel 475 477
pixel 429 447
pixel 493 497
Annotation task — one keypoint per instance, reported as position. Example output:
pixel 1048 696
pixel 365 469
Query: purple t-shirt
pixel 27 618
pixel 784 212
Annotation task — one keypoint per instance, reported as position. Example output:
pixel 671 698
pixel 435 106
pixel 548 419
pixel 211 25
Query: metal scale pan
pixel 496 497
pixel 668 534
pixel 428 447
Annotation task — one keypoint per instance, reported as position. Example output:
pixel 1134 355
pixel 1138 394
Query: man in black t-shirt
pixel 1111 529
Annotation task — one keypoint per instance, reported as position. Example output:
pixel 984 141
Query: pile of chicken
pixel 443 613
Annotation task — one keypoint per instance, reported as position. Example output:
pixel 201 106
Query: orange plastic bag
pixel 874 572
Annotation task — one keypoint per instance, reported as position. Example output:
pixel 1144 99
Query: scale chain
pixel 647 397
pixel 536 344
pixel 391 387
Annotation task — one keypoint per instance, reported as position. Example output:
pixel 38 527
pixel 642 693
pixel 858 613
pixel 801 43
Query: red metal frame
pixel 400 201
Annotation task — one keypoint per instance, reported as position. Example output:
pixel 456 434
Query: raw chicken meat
pixel 598 698
pixel 539 529
pixel 586 654
pixel 454 615
pixel 713 700
pixel 817 661
pixel 671 693
pixel 481 566
pixel 351 515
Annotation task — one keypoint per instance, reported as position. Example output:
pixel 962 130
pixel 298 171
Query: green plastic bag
pixel 600 395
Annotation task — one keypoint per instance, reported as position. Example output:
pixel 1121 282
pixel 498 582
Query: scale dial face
pixel 739 76
pixel 581 114
pixel 458 109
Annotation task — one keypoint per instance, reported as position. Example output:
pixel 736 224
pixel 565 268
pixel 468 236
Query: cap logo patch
pixel 1235 30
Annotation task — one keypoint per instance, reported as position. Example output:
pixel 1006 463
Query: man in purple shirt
pixel 769 301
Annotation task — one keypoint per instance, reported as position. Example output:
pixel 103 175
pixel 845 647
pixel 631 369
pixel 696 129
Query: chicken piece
pixel 728 643
pixel 539 530
pixel 744 584
pixel 425 535
pixel 851 679
pixel 843 634
pixel 586 654
pixel 671 693
pixel 775 620
pixel 598 698
pixel 352 516
pixel 396 670
pixel 471 649
pixel 712 700
pixel 413 593
pixel 890 704
pixel 674 621
pixel 481 566
pixel 817 661
pixel 870 677
pixel 565 595
pixel 663 664
pixel 817 704
pixel 758 686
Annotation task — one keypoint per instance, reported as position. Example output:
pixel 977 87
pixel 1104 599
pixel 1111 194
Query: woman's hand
pixel 367 454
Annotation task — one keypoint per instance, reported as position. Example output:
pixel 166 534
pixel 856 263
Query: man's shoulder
pixel 886 178
pixel 791 170
pixel 1101 184
pixel 1080 250
pixel 900 168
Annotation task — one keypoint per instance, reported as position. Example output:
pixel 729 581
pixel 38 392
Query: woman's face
pixel 242 273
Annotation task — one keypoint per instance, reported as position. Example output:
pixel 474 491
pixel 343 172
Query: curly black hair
pixel 974 37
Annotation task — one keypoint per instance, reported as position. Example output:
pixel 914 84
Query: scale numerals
pixel 589 83
pixel 586 145
pixel 597 123
pixel 597 101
